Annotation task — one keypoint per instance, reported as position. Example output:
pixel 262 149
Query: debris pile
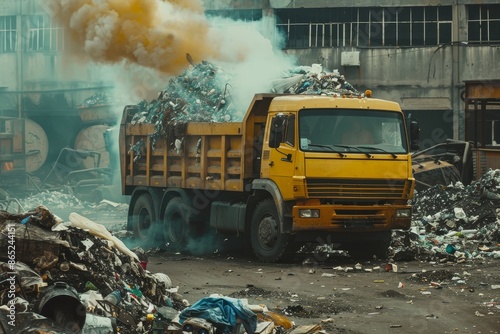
pixel 313 80
pixel 199 94
pixel 77 277
pixel 52 199
pixel 202 94
pixel 84 259
pixel 454 222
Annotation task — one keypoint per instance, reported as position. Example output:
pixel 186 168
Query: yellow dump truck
pixel 281 178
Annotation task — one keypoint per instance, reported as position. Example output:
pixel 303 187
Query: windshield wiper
pixel 379 149
pixel 356 148
pixel 328 147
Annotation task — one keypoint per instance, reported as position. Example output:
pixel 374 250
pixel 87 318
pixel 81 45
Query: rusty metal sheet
pixel 488 89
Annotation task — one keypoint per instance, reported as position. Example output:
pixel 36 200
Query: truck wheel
pixel 143 221
pixel 267 241
pixel 175 225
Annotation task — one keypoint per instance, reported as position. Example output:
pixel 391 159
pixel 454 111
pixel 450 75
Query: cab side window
pixel 290 131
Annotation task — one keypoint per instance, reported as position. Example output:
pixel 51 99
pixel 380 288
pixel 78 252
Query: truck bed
pixel 218 164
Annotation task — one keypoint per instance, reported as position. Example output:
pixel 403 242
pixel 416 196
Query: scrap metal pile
pixel 454 223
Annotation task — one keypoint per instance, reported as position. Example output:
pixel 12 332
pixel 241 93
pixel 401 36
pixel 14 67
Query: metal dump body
pixel 211 157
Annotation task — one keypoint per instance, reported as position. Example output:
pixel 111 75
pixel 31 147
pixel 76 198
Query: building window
pixel 393 26
pixel 44 35
pixel 8 34
pixel 484 23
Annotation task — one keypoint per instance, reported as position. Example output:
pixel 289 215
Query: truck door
pixel 280 166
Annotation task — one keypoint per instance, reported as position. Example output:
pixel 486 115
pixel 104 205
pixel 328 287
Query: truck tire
pixel 175 225
pixel 268 243
pixel 143 221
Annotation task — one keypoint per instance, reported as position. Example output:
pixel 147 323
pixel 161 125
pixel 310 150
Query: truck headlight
pixel 403 213
pixel 309 213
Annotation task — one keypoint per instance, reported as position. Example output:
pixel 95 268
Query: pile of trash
pixel 200 94
pixel 77 277
pixel 77 263
pixel 454 223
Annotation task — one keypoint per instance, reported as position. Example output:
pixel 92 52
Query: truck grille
pixel 356 189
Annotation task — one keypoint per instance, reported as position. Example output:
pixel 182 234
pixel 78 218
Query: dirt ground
pixel 345 298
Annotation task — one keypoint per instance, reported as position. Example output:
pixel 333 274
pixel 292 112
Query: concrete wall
pixel 418 72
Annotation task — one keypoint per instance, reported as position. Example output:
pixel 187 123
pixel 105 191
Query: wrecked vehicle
pixel 281 177
pixel 443 164
pixel 35 157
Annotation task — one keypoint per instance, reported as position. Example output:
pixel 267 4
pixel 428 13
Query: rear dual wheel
pixel 144 222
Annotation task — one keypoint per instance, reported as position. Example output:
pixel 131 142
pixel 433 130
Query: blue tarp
pixel 223 312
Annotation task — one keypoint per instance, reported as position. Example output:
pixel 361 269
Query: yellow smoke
pixel 152 33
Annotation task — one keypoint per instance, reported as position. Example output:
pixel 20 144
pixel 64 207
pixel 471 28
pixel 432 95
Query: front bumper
pixel 351 218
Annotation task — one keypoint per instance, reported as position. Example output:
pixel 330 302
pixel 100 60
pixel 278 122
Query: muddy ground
pixel 347 296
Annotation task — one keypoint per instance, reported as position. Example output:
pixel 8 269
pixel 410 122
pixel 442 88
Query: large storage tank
pixel 92 139
pixel 36 146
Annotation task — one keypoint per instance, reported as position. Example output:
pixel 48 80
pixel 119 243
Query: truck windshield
pixel 347 130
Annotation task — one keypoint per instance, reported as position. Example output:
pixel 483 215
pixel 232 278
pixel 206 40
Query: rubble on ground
pixel 52 199
pixel 76 277
pixel 89 260
pixel 454 223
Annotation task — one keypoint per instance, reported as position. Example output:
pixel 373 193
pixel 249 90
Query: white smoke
pixel 251 54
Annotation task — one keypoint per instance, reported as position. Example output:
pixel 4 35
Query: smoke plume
pixel 149 33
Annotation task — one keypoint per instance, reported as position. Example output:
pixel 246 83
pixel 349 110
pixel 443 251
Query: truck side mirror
pixel 277 131
pixel 414 136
